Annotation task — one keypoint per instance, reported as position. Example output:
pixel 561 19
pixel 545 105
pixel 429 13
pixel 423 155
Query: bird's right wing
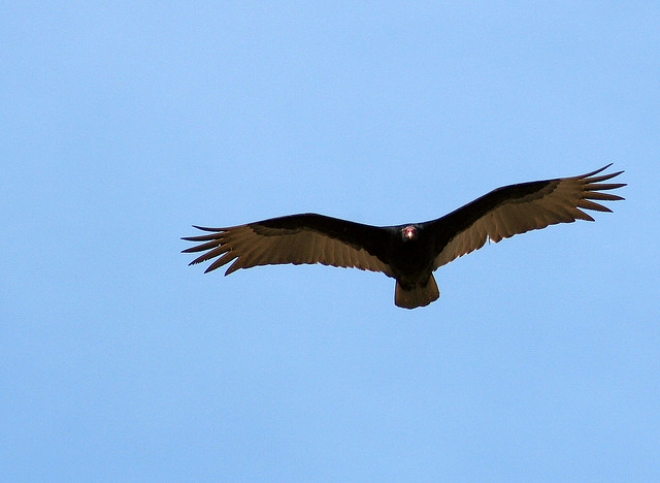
pixel 519 208
pixel 296 239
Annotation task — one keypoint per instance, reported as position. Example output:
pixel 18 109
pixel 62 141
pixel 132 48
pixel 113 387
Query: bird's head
pixel 409 233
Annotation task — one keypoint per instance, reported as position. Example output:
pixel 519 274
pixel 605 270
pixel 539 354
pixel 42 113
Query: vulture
pixel 408 253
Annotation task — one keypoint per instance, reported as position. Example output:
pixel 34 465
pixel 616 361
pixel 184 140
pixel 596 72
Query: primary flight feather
pixel 408 253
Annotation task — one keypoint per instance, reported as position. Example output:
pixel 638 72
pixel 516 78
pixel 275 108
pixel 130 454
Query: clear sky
pixel 124 123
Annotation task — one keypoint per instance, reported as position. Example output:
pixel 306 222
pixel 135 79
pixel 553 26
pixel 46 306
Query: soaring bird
pixel 408 253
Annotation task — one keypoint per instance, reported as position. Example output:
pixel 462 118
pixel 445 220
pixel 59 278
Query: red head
pixel 409 233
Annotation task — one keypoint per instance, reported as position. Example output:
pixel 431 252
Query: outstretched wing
pixel 519 208
pixel 296 239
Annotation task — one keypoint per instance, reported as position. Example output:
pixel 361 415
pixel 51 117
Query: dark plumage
pixel 408 253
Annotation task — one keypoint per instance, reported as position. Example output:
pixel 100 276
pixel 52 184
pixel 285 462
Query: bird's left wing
pixel 519 208
pixel 307 238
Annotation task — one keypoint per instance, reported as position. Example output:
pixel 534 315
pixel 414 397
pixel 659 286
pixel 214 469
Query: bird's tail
pixel 417 296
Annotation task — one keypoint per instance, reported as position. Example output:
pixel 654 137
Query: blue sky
pixel 122 124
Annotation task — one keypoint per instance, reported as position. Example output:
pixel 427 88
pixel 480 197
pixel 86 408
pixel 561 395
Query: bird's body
pixel 408 253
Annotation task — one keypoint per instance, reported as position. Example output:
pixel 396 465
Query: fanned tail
pixel 417 296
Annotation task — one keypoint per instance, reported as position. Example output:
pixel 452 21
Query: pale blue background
pixel 123 123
